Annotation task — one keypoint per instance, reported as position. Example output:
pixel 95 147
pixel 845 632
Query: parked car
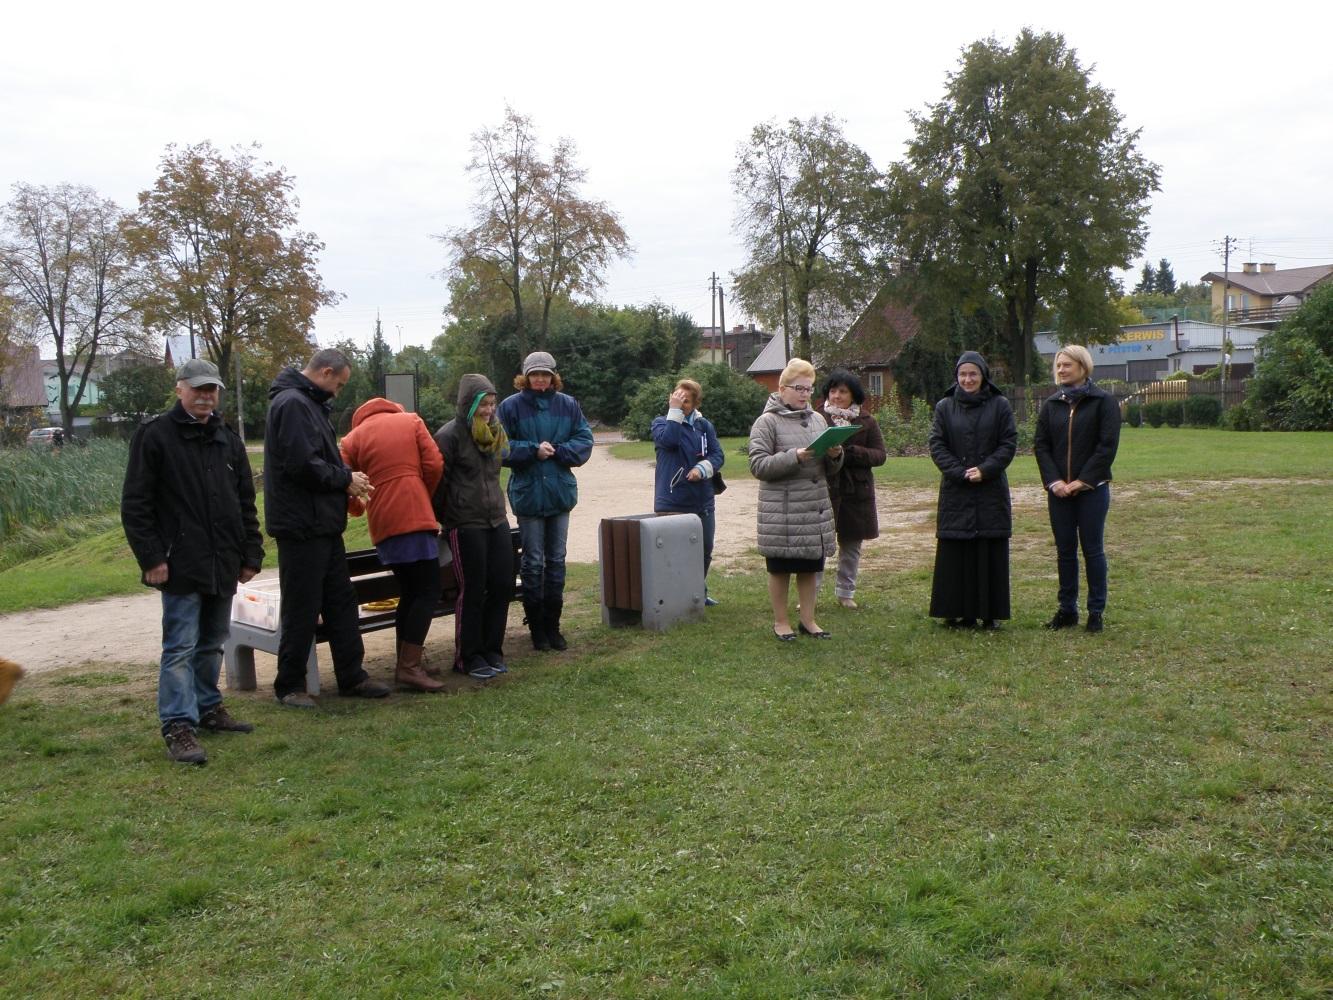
pixel 46 437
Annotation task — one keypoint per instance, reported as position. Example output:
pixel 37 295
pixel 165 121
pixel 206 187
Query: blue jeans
pixel 1080 521
pixel 194 626
pixel 543 567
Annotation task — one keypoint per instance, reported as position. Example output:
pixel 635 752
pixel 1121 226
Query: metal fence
pixel 1027 399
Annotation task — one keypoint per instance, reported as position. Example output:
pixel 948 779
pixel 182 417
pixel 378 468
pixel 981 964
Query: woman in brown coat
pixel 852 488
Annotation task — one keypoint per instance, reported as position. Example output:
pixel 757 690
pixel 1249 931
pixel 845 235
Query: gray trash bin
pixel 652 570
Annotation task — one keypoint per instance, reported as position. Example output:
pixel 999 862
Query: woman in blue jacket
pixel 548 439
pixel 688 457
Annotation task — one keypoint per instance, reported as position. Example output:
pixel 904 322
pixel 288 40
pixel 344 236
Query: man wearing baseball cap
pixel 188 509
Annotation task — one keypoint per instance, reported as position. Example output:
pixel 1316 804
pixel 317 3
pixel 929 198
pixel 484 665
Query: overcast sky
pixel 371 108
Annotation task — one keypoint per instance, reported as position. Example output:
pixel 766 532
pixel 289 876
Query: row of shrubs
pixel 1192 411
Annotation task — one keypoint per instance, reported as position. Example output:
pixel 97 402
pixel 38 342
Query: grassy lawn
pixel 901 811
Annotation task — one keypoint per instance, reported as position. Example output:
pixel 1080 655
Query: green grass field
pixel 902 811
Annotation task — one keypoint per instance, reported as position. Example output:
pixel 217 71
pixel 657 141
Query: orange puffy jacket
pixel 395 450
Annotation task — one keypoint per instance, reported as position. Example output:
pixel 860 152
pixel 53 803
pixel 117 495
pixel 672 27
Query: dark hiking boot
pixel 182 747
pixel 535 619
pixel 218 720
pixel 554 609
pixel 1062 619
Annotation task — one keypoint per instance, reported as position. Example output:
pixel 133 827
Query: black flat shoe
pixel 990 625
pixel 821 634
pixel 960 623
pixel 784 636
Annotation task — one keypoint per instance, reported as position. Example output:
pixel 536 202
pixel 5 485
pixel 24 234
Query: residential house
pixel 869 347
pixel 1261 294
pixel 21 384
pixel 742 345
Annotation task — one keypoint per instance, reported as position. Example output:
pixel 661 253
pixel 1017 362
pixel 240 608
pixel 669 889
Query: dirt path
pixel 126 630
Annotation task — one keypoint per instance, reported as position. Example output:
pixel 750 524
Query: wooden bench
pixel 372 582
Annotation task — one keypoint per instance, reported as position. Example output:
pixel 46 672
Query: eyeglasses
pixel 804 390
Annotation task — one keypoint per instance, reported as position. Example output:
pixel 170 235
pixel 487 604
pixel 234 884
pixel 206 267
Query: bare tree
pixel 812 212
pixel 532 231
pixel 65 257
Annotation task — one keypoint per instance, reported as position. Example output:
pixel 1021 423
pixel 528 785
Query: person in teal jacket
pixel 548 439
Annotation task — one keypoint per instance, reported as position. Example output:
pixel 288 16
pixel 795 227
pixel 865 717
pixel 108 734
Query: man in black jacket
pixel 188 508
pixel 306 486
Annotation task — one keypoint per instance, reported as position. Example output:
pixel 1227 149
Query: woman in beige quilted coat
pixel 795 515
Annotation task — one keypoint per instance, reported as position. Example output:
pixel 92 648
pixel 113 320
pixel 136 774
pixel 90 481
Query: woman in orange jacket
pixel 396 451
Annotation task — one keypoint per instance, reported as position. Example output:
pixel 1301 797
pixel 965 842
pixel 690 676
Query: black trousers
pixel 418 593
pixel 314 580
pixel 484 569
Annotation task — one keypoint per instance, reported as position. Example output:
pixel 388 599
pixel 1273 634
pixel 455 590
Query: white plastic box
pixel 257 604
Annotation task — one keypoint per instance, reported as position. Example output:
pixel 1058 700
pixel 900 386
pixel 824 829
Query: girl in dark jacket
pixel 852 488
pixel 471 508
pixel 972 442
pixel 688 457
pixel 1078 432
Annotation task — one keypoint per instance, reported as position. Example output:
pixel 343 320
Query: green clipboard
pixel 832 438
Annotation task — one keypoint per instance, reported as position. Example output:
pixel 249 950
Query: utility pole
pixel 1226 297
pixel 712 298
pixel 722 325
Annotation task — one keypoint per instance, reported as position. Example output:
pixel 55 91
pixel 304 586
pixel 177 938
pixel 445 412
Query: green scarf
pixel 490 437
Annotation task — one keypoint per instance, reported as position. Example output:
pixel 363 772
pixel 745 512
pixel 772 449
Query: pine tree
pixel 1147 280
pixel 1166 279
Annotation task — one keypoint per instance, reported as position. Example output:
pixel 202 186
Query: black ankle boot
pixel 553 611
pixel 1094 621
pixel 535 619
pixel 1062 619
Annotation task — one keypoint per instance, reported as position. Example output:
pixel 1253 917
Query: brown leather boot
pixel 408 672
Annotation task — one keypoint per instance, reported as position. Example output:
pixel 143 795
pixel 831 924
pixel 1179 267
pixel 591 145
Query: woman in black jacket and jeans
pixel 1078 431
pixel 972 442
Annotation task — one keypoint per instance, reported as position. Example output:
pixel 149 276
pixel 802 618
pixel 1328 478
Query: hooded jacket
pixel 189 501
pixel 682 443
pixel 395 450
pixel 305 480
pixel 795 515
pixel 976 432
pixel 540 488
pixel 469 496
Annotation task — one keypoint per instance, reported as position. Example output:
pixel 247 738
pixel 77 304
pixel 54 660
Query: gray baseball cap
pixel 199 372
pixel 538 361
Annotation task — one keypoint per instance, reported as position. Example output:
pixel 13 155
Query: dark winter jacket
pixel 683 443
pixel 976 432
pixel 1077 438
pixel 544 488
pixel 305 480
pixel 852 490
pixel 189 502
pixel 469 495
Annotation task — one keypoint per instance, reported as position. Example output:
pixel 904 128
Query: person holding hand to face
pixel 1078 432
pixel 688 457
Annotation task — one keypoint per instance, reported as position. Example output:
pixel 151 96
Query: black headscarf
pixel 961 394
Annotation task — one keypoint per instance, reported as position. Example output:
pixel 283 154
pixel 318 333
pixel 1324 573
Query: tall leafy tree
pixel 138 390
pixel 218 237
pixel 1292 389
pixel 811 209
pixel 533 234
pixel 1021 192
pixel 64 255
